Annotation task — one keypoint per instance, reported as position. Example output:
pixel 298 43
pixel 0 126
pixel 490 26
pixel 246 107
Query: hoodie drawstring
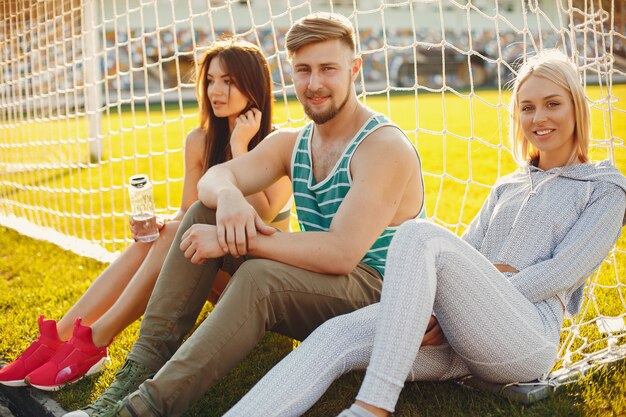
pixel 531 193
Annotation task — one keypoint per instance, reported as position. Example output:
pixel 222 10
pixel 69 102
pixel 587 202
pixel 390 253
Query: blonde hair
pixel 319 27
pixel 553 65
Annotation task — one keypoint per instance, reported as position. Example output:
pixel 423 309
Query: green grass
pixel 36 277
pixel 89 200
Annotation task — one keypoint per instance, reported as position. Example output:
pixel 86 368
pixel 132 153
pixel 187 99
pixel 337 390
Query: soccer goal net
pixel 94 91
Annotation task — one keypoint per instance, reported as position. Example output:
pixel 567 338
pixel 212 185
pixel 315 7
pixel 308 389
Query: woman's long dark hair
pixel 250 73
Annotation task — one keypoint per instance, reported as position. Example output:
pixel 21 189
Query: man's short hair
pixel 319 27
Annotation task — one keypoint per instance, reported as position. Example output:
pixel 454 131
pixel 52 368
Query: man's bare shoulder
pixel 285 134
pixel 388 142
pixel 281 141
pixel 387 161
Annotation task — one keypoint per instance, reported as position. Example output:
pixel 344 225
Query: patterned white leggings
pixel 492 331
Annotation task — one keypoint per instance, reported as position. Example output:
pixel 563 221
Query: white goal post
pixel 93 91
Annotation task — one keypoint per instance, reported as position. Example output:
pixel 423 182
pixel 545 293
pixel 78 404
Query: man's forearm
pixel 216 180
pixel 314 251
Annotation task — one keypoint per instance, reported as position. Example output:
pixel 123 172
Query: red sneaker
pixel 38 353
pixel 77 359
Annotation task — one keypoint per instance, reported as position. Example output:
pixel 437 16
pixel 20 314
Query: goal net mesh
pixel 94 91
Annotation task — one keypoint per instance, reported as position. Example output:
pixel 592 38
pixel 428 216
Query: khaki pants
pixel 262 295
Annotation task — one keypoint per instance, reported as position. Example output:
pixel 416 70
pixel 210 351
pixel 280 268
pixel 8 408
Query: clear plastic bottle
pixel 142 207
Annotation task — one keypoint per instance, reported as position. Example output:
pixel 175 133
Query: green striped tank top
pixel 317 203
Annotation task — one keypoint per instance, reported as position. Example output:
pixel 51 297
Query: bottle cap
pixel 138 180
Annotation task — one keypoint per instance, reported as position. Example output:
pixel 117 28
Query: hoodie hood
pixel 597 172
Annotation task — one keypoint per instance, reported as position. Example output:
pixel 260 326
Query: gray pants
pixel 262 295
pixel 492 330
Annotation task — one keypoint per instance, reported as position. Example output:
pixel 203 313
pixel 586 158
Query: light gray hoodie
pixel 555 227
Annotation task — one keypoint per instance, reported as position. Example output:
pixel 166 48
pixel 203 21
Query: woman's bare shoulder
pixel 196 137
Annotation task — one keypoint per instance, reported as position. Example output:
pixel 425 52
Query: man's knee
pixel 199 213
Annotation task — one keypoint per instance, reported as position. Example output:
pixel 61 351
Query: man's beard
pixel 321 118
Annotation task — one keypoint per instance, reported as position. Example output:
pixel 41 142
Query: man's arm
pixel 384 171
pixel 224 186
pixel 249 173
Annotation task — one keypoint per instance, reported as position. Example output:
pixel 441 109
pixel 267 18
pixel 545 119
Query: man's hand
pixel 199 243
pixel 237 224
pixel 434 334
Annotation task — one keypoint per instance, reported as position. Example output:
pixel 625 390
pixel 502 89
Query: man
pixel 355 176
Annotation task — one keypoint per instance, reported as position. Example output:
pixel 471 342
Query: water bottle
pixel 142 207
